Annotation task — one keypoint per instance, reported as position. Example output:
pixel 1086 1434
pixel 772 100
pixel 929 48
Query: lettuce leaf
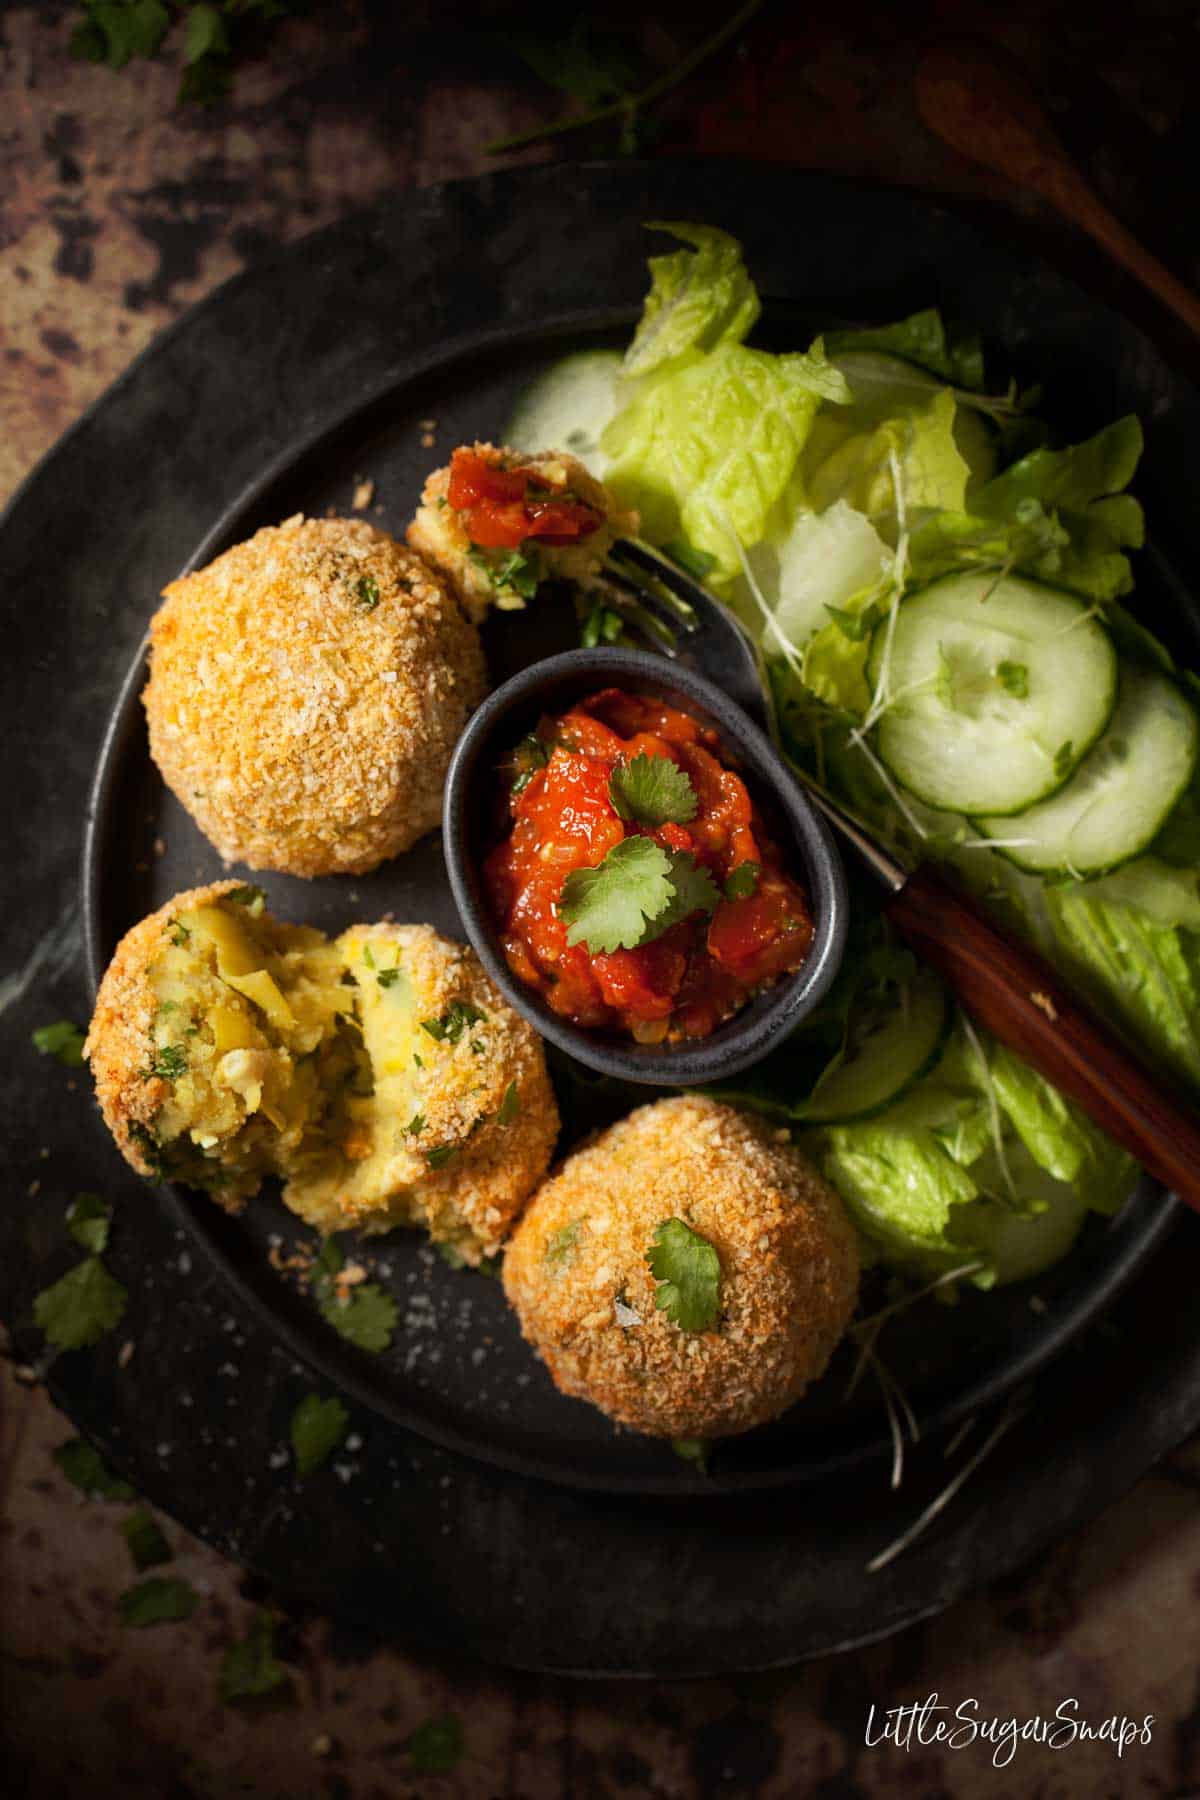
pixel 705 448
pixel 698 298
pixel 933 470
pixel 823 563
pixel 1059 515
pixel 1058 1137
pixel 921 339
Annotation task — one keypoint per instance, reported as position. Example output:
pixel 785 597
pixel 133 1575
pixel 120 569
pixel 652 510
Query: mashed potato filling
pixel 371 1073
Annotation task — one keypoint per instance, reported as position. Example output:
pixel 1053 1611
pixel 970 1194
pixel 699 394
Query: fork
pixel 1007 987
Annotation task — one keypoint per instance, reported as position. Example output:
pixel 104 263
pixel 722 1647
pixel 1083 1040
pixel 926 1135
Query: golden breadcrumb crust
pixel 306 691
pixel 576 1271
pixel 439 534
pixel 120 1036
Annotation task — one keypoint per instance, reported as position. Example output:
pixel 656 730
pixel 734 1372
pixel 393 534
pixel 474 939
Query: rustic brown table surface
pixel 118 209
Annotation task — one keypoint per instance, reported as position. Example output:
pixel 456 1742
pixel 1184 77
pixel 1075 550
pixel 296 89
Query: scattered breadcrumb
pixel 364 493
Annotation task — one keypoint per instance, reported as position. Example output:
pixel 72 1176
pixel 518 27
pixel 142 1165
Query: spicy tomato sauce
pixel 699 971
pixel 504 507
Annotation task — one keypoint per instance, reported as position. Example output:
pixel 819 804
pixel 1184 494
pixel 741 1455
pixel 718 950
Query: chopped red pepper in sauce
pixel 698 972
pixel 504 507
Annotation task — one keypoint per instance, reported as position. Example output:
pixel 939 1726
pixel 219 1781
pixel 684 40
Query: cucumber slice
pixel 1000 687
pixel 1120 795
pixel 884 1058
pixel 568 407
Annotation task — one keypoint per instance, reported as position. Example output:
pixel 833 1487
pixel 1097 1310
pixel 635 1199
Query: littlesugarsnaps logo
pixel 933 1721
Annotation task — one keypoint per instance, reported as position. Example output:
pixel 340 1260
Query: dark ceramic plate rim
pixel 348 1369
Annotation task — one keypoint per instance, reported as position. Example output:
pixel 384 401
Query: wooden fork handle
pixel 1017 995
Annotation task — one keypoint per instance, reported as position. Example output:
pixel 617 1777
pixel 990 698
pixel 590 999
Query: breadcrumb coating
pixel 121 1033
pixel 439 534
pixel 577 1275
pixel 381 1076
pixel 306 691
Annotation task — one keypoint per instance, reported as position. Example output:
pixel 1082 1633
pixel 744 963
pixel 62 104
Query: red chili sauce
pixel 683 983
pixel 504 507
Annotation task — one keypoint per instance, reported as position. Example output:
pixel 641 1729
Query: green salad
pixel 943 598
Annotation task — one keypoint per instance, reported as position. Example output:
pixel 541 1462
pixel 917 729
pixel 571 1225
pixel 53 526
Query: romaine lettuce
pixel 698 298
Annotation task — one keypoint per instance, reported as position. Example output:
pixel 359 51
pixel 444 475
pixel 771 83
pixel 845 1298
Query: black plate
pixel 441 307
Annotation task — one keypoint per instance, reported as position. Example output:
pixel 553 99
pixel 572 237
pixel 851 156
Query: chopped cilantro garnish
pixel 855 625
pixel 366 1317
pixel 416 1125
pixel 250 1668
pixel 62 1040
pixel 437 1746
pixel 510 1106
pixel 742 882
pixel 517 572
pixel 693 1450
pixel 1014 679
pixel 601 626
pixel 86 1469
pixel 169 1062
pixel 561 1245
pixel 450 1254
pixel 147 1545
pixel 368 956
pixel 80 1308
pixel 147 1143
pixel 653 791
pixel 318 1427
pixel 160 1600
pixel 366 592
pixel 178 932
pixel 530 755
pixel 87 1221
pixel 688 1271
pixel 388 977
pixel 441 1155
pixel 247 895
pixel 692 890
pixel 454 1021
pixel 417 1060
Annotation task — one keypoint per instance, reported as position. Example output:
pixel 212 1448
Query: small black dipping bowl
pixel 474 783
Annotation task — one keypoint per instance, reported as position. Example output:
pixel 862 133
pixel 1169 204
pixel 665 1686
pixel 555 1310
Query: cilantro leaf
pixel 250 895
pixel 329 1261
pixel 87 1221
pixel 169 1062
pixel 160 1600
pixel 437 1745
pixel 688 1271
pixel 742 882
pixel 115 31
pixel 250 1668
pixel 652 790
pixel 389 977
pixel 440 1155
pixel 510 1106
pixel 80 1308
pixel 147 1545
pixel 519 573
pixel 609 907
pixel 86 1469
pixel 416 1125
pixel 366 592
pixel 318 1427
pixel 450 1254
pixel 692 890
pixel 366 1318
pixel 561 1245
pixel 62 1040
pixel 693 1450
pixel 457 1018
pixel 1014 679
pixel 530 755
